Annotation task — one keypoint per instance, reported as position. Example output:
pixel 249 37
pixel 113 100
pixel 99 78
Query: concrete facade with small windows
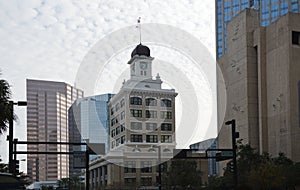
pixel 142 122
pixel 261 70
pixel 47 120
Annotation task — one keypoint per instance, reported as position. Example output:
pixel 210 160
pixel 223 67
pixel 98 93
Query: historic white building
pixel 142 127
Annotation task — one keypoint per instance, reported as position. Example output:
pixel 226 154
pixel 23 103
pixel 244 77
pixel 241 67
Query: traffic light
pixel 230 167
pixel 16 166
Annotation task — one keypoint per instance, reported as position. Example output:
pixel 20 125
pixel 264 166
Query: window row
pixel 150 102
pixel 151 126
pixel 117 107
pixel 118 130
pixel 118 142
pixel 118 118
pixel 150 114
pixel 150 138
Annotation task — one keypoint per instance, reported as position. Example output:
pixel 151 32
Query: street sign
pixel 227 153
pixel 224 155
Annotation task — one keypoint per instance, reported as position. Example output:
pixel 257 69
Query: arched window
pixel 166 103
pixel 151 102
pixel 135 101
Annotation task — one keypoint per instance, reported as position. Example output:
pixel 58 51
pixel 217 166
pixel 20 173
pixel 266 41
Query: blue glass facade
pixel 270 11
pixel 89 119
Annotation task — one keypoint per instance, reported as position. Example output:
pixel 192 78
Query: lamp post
pixel 234 135
pixel 10 136
pixel 159 163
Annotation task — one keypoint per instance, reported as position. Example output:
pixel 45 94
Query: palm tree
pixel 5 109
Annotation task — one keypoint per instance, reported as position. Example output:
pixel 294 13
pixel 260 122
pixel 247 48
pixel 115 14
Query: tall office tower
pixel 142 127
pixel 47 120
pixel 269 10
pixel 262 72
pixel 88 122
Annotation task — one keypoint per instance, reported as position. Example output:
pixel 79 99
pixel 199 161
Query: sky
pixel 51 40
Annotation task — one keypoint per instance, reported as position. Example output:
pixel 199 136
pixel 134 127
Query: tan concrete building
pixel 261 70
pixel 47 120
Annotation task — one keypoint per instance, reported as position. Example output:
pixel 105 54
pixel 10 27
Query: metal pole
pixel 87 174
pixel 159 168
pixel 10 137
pixel 233 135
pixel 15 156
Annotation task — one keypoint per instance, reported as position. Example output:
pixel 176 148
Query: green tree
pixel 64 182
pixel 5 110
pixel 261 172
pixel 182 174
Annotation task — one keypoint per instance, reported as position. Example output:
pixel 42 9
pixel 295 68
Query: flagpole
pixel 140 33
pixel 140 28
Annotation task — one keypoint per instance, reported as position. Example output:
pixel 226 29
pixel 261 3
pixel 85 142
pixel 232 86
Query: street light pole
pixel 159 168
pixel 233 138
pixel 10 137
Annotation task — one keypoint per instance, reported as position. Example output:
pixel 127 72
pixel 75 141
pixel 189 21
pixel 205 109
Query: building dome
pixel 141 50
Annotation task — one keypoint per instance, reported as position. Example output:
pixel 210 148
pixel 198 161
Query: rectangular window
pixel 151 138
pixel 136 101
pixel 166 115
pixel 136 138
pixel 117 106
pixel 136 113
pixel 123 139
pixel 112 111
pixel 129 167
pixel 146 167
pixel 295 38
pixel 151 102
pixel 166 127
pixel 113 133
pixel 151 126
pixel 118 141
pixel 166 138
pixel 130 180
pixel 166 103
pixel 123 115
pixel 122 128
pixel 118 130
pixel 151 114
pixel 136 126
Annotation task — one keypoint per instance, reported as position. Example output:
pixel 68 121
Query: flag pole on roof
pixel 140 28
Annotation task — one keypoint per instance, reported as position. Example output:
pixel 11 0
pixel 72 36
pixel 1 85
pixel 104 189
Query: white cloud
pixel 48 39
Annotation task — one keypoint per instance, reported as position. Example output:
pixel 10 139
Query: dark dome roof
pixel 141 50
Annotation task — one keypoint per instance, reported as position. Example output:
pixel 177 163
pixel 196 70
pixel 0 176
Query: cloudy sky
pixel 49 39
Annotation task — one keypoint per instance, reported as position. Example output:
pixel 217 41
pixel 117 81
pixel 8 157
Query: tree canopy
pixel 260 172
pixel 5 110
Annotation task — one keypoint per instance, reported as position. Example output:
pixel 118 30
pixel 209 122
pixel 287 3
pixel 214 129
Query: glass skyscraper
pixel 270 11
pixel 88 122
pixel 88 119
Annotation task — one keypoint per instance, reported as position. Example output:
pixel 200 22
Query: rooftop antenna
pixel 140 28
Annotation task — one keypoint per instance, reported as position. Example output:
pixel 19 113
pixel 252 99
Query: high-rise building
pixel 89 122
pixel 269 12
pixel 261 71
pixel 142 128
pixel 47 121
